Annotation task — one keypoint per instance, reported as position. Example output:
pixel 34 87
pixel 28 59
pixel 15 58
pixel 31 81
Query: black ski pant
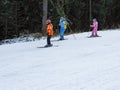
pixel 48 40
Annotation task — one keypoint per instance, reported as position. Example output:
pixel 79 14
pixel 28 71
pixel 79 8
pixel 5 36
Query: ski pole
pixel 72 32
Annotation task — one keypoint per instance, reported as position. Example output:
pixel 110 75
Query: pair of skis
pixel 93 36
pixel 47 46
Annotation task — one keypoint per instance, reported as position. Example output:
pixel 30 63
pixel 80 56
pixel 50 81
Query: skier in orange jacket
pixel 49 32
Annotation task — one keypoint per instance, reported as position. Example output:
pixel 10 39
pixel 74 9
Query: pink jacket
pixel 95 25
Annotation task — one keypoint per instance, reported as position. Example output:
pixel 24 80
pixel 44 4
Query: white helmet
pixel 94 19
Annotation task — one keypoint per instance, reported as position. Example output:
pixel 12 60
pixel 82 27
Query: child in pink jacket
pixel 95 27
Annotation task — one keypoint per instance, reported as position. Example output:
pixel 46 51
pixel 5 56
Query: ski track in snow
pixel 81 64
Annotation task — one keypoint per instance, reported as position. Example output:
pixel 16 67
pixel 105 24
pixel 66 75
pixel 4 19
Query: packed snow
pixel 78 63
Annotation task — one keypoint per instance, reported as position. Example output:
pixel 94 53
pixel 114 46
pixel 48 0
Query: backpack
pixel 65 25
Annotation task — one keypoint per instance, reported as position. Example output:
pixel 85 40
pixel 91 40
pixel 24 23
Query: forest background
pixel 18 17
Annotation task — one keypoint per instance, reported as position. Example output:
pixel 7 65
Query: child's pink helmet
pixel 48 21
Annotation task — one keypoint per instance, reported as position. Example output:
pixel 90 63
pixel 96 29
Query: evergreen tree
pixel 20 16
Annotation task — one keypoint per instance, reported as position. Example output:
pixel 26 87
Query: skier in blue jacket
pixel 63 26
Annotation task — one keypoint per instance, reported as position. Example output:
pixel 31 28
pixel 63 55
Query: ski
pixel 59 40
pixel 48 46
pixel 93 36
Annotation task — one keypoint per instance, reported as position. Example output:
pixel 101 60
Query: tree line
pixel 28 16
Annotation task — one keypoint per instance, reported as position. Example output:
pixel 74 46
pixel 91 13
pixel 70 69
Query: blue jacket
pixel 61 24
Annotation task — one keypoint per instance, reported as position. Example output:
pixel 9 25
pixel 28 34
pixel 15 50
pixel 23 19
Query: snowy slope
pixel 81 64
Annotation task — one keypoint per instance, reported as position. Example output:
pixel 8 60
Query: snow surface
pixel 77 64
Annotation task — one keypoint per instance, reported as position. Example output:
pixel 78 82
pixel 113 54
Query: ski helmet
pixel 94 19
pixel 48 21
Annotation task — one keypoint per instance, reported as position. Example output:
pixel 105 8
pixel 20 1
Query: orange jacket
pixel 49 29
